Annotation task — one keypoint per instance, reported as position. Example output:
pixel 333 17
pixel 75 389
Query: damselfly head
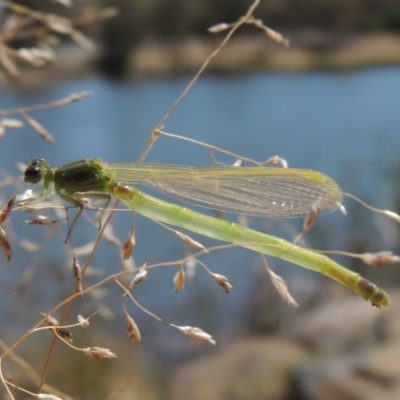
pixel 34 170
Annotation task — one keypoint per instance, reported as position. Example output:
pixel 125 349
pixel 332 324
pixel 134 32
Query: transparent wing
pixel 272 192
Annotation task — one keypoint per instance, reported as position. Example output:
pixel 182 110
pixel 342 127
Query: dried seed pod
pixel 276 36
pixel 190 242
pixel 99 353
pixel 129 245
pixel 61 332
pixel 77 273
pixel 219 27
pixel 132 329
pixel 179 280
pixel 392 215
pixel 196 334
pixel 222 281
pixel 5 244
pixel 139 277
pixel 5 211
pixel 64 334
pixel 281 287
pixel 277 160
pixel 11 123
pixel 310 219
pixel 379 259
pixel 41 220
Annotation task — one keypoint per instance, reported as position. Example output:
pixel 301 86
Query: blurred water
pixel 344 124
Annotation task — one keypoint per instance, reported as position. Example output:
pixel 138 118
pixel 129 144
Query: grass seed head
pixel 129 245
pixel 196 334
pixel 223 282
pixel 99 353
pixel 132 329
pixel 380 259
pixel 139 277
pixel 83 321
pixel 179 280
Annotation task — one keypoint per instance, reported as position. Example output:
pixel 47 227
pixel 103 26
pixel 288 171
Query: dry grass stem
pixel 44 31
pixel 59 331
pixel 378 259
pixel 390 214
pixel 211 147
pixel 128 294
pixel 9 66
pixel 39 128
pixel 72 98
pixel 109 235
pixel 83 321
pixel 5 383
pixel 45 396
pixel 215 53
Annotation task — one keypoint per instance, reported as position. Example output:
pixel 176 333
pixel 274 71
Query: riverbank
pixel 307 51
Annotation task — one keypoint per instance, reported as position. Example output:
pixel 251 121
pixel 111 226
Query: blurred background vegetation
pixel 315 25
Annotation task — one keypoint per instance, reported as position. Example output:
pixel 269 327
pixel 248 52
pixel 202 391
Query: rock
pixel 346 325
pixel 252 368
pixel 356 351
pixel 368 375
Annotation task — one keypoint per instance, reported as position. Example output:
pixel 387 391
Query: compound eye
pixel 33 174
